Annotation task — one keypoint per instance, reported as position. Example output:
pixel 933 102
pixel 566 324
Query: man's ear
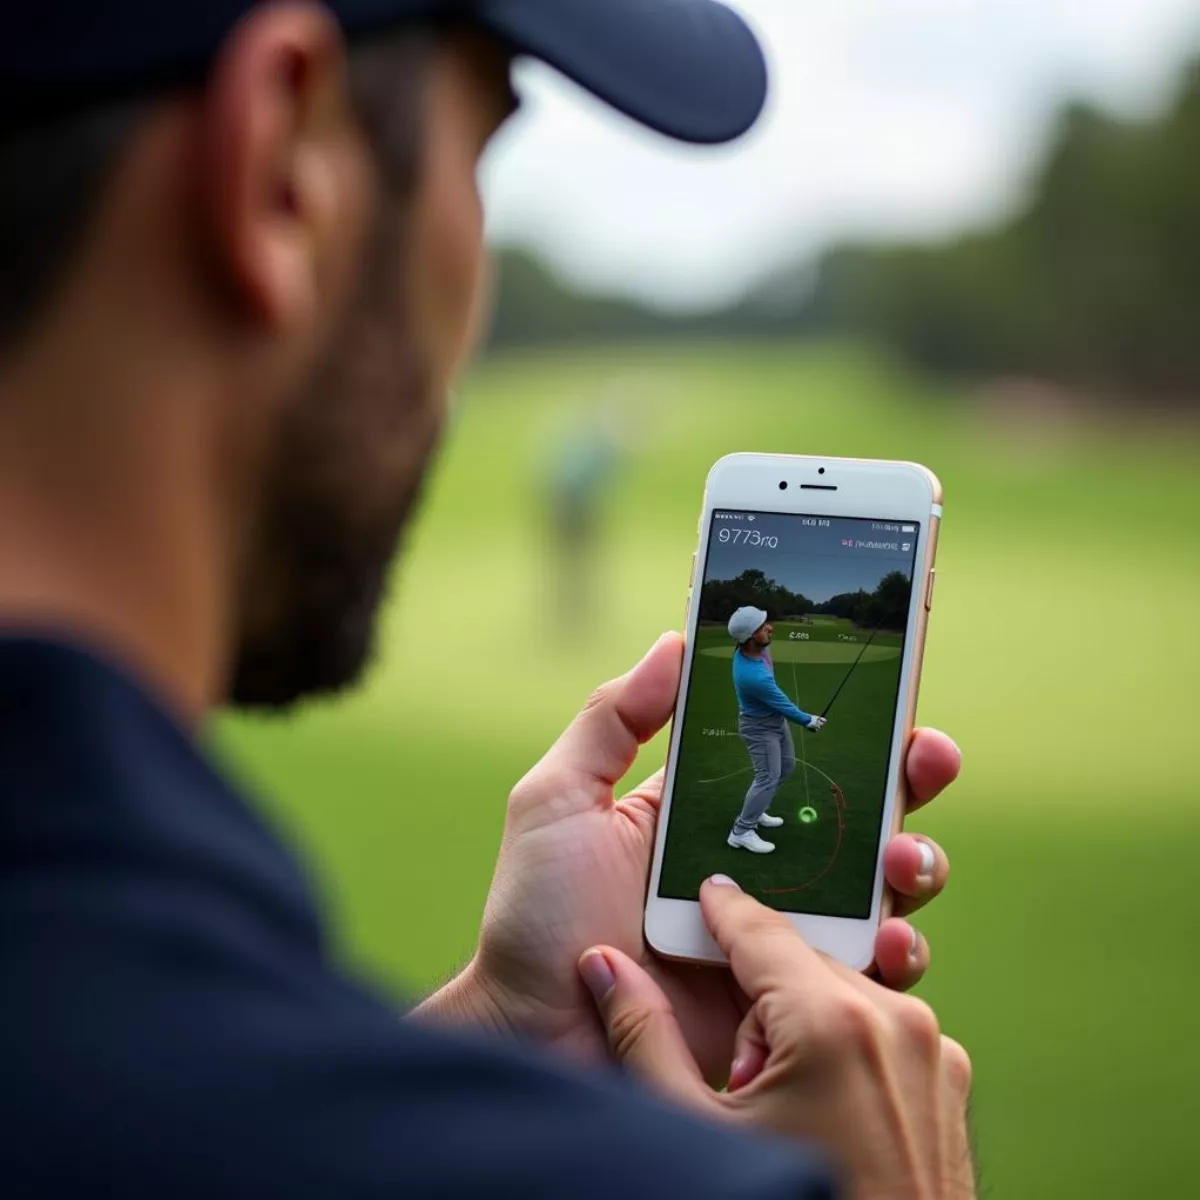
pixel 285 179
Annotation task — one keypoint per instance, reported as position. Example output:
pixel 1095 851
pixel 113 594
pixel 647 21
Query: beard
pixel 344 475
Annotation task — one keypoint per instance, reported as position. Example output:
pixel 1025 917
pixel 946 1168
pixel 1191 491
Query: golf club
pixel 846 679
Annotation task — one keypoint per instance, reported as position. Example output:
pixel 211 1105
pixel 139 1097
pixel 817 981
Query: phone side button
pixel 929 589
pixel 692 576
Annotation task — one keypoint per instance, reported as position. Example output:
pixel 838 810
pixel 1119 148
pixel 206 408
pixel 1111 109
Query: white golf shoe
pixel 750 841
pixel 766 821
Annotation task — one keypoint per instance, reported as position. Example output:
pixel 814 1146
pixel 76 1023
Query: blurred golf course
pixel 1061 655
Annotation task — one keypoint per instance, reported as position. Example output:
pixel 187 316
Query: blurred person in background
pixel 238 269
pixel 580 466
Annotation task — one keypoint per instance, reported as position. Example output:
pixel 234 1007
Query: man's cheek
pixel 459 277
pixel 448 283
pixel 483 301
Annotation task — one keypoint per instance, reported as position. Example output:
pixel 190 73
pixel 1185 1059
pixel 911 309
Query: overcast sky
pixel 886 116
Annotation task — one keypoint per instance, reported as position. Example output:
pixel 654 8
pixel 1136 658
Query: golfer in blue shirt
pixel 763 716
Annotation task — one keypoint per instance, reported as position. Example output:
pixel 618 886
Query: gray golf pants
pixel 769 742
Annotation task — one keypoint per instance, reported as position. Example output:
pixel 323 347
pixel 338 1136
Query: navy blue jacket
pixel 172 1026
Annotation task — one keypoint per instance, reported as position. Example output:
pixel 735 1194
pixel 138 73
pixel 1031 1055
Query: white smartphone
pixel 810 594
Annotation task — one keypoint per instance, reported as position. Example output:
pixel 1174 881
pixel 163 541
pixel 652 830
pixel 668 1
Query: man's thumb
pixel 642 1031
pixel 602 742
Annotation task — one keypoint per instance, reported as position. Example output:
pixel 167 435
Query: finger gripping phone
pixel 811 589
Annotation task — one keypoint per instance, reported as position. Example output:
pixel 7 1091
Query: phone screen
pixel 823 605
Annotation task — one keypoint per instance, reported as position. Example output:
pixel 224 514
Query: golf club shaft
pixel 803 746
pixel 846 678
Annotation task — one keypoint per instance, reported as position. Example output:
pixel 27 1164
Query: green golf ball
pixel 808 815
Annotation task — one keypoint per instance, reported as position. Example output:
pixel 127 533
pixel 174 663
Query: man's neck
pixel 103 541
pixel 752 650
pixel 125 450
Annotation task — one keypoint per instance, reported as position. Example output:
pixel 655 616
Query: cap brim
pixel 690 69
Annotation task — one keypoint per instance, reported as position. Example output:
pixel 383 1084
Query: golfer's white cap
pixel 745 623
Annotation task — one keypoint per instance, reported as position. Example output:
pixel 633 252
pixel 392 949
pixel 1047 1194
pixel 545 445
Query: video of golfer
pixel 788 724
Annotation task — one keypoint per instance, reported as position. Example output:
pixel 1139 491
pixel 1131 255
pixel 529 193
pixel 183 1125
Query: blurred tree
pixel 1094 283
pixel 884 608
pixel 720 598
pixel 536 307
pixel 850 606
pixel 891 601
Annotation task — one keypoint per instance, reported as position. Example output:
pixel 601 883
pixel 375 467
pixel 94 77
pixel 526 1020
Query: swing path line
pixel 750 769
pixel 803 740
pixel 803 760
pixel 839 800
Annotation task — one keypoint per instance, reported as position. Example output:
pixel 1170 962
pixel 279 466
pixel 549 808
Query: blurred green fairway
pixel 1062 656
pixel 824 867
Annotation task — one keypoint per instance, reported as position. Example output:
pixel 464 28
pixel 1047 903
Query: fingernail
pixel 735 1073
pixel 597 974
pixel 723 881
pixel 914 950
pixel 928 860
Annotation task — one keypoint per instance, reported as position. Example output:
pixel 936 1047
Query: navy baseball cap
pixel 690 69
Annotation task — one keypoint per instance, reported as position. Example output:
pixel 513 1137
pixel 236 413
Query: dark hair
pixel 53 175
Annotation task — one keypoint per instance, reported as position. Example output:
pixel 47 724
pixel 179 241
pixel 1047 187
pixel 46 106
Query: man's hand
pixel 572 874
pixel 823 1053
pixel 816 724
